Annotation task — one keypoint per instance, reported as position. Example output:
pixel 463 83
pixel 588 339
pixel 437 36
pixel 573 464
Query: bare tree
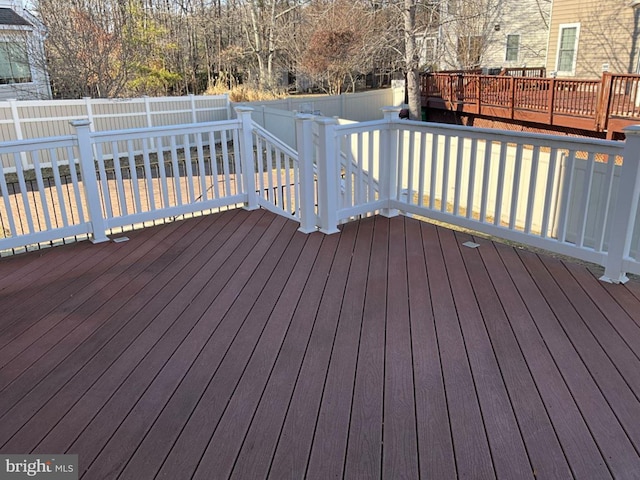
pixel 84 47
pixel 342 40
pixel 411 59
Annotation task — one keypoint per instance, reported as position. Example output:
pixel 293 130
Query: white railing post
pixel 247 156
pixel 328 176
pixel 90 181
pixel 626 209
pixel 389 159
pixel 304 141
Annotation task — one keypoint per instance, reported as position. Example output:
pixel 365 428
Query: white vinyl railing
pixel 566 195
pixel 94 182
pixel 573 196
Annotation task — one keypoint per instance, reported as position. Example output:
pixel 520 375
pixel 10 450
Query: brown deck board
pixel 586 367
pixel 20 314
pixel 254 458
pixel 232 346
pixel 470 443
pixel 63 322
pixel 399 456
pixel 106 322
pixel 611 362
pixel 127 347
pixel 292 452
pixel 543 448
pixel 332 427
pixel 177 321
pixel 435 447
pixel 364 448
pixel 543 344
pixel 507 450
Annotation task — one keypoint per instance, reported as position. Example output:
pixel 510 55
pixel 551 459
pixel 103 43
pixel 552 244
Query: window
pixel 513 48
pixel 14 63
pixel 427 48
pixel 469 51
pixel 567 48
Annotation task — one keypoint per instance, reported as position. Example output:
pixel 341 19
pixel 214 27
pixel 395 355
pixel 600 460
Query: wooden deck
pixel 233 346
pixel 593 106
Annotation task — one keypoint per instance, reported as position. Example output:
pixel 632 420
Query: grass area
pixel 243 93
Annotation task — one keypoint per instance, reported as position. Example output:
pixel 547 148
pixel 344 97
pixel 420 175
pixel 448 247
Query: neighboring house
pixel 587 37
pixel 493 34
pixel 23 72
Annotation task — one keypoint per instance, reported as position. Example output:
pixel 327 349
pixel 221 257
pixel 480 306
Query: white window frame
pixel 506 48
pixel 571 72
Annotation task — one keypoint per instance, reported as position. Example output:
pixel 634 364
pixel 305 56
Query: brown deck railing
pixel 524 72
pixel 608 104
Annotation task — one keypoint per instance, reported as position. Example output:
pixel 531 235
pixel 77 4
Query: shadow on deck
pixel 233 346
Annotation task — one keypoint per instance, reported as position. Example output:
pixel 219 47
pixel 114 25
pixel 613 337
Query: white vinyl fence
pixel 49 118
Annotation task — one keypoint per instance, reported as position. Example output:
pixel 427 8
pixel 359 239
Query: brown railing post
pixel 512 95
pixel 551 98
pixel 604 102
pixel 478 93
pixel 452 89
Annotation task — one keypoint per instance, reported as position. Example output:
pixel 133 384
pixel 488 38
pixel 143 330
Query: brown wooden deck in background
pixel 233 346
pixel 592 106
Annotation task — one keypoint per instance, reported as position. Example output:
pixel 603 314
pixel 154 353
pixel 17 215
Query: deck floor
pixel 233 346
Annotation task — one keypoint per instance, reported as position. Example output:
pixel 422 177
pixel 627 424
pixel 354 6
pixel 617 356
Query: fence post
pixel 89 107
pixel 90 181
pixel 194 116
pixel 304 141
pixel 328 175
pixel 624 218
pixel 13 104
pixel 247 157
pixel 389 159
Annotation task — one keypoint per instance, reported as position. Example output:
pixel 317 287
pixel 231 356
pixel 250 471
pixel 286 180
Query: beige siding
pixel 528 19
pixel 606 35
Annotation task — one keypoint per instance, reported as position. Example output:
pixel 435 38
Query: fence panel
pixel 44 118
